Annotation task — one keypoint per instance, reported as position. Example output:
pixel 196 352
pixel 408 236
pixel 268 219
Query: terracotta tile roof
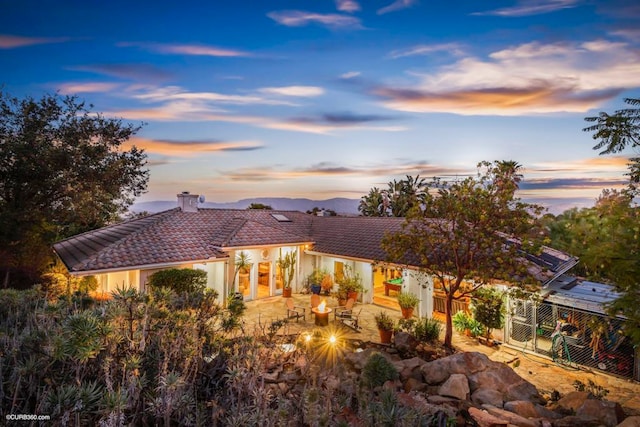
pixel 174 236
pixel 356 237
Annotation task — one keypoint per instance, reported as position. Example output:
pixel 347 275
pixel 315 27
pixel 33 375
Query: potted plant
pixel 351 283
pixel 341 296
pixel 314 280
pixel 243 267
pixel 408 302
pixel 287 265
pixel 385 327
pixel 327 282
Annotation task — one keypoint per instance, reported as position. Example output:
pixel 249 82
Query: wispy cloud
pixel 87 87
pixel 296 91
pixel 330 122
pixel 390 170
pixel 8 41
pixel 350 75
pixel 191 148
pixel 299 18
pixel 530 78
pixel 397 5
pixel 140 72
pixel 187 49
pixel 425 49
pixel 531 7
pixel 571 183
pixel 175 93
pixel 348 6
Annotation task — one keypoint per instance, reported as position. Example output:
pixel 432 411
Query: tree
pixel 372 204
pixel 62 172
pixel 260 206
pixel 615 132
pixel 459 235
pixel 613 252
pixel 397 200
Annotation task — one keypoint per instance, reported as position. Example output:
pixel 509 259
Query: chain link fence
pixel 572 337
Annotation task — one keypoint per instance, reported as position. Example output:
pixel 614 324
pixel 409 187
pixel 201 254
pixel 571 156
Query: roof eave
pixel 145 266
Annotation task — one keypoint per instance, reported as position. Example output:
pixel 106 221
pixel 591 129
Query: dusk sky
pixel 323 99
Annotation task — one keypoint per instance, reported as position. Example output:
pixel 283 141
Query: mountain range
pixel 339 204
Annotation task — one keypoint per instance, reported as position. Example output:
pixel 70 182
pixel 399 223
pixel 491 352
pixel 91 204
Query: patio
pixel 542 372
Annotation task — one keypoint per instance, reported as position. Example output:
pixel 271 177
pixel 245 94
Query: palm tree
pixel 373 204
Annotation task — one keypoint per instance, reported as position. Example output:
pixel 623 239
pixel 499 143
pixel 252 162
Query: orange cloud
pixel 96 87
pixel 8 41
pixel 190 148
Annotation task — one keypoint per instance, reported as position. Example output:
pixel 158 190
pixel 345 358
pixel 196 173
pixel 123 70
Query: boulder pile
pixel 487 393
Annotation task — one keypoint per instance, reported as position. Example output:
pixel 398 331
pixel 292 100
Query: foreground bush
pixel 165 359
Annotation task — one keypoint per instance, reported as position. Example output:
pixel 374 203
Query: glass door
pixel 264 276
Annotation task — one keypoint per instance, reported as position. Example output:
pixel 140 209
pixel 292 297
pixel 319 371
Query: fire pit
pixel 322 314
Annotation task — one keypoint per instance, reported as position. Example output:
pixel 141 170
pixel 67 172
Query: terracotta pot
pixel 352 295
pixel 385 336
pixel 286 292
pixel 407 313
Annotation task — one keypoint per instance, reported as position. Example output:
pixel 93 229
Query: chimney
pixel 188 202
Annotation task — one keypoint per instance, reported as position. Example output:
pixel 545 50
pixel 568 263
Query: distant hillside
pixel 339 204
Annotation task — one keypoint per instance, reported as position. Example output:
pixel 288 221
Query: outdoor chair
pixel 295 311
pixel 351 320
pixel 315 302
pixel 344 310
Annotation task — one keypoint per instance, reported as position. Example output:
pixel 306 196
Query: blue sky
pixel 325 98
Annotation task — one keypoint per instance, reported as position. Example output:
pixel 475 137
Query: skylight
pixel 280 218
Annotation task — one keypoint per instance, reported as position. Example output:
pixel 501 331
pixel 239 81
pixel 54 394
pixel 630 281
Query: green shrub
pixel 378 370
pixel 87 284
pixel 488 308
pixel 424 329
pixel 407 300
pixel 384 321
pixel 180 280
pixel 427 329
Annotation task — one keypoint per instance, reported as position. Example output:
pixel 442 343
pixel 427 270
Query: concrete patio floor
pixel 543 373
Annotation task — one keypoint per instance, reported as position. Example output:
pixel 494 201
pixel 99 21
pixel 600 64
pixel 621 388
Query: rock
pixel 405 342
pixel 485 419
pixel 415 401
pixel 544 412
pixel 413 384
pixel 435 372
pixel 413 363
pixel 469 363
pixel 442 400
pixel 456 386
pixel 633 421
pixel 523 408
pixel 569 404
pixel 487 395
pixel 608 413
pixel 523 390
pixel 407 373
pixel 573 421
pixel 512 418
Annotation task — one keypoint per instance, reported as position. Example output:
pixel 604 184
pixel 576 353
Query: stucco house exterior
pixel 187 236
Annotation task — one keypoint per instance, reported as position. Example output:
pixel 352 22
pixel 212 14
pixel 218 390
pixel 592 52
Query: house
pixel 126 254
pixel 187 236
